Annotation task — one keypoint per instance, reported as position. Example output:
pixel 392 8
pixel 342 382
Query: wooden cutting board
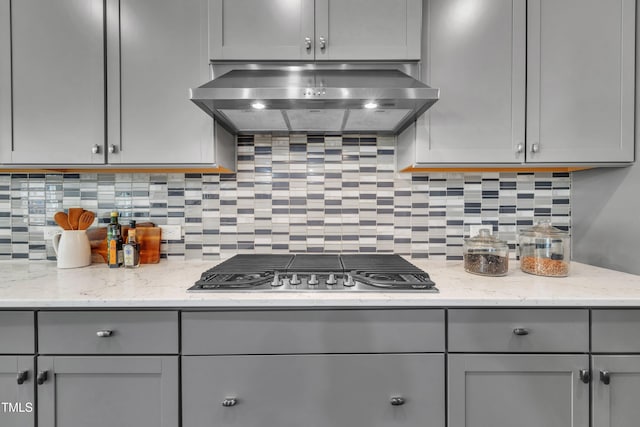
pixel 147 236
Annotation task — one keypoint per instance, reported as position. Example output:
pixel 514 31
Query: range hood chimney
pixel 341 98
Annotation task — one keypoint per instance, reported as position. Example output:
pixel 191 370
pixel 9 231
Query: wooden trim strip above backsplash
pixel 415 169
pixel 220 169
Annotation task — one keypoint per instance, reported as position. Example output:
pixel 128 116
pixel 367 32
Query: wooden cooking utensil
pixel 85 220
pixel 62 220
pixel 74 217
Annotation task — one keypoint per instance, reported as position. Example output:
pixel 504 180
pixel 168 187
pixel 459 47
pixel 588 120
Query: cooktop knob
pixel 313 280
pixel 332 279
pixel 294 280
pixel 349 282
pixel 276 280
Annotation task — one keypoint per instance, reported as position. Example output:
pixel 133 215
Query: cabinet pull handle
pixel 307 43
pixel 605 377
pixel 95 149
pixel 521 331
pixel 42 377
pixel 535 148
pixel 112 149
pixel 519 147
pixel 104 333
pixel 397 401
pixel 585 376
pixel 22 376
pixel 323 43
pixel 229 401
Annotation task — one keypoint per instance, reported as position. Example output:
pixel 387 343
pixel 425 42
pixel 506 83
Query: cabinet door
pixel 475 55
pixel 518 390
pixel 109 391
pixel 616 404
pixel 580 80
pixel 261 30
pixel 16 400
pixel 57 82
pixel 157 51
pixel 314 390
pixel 368 29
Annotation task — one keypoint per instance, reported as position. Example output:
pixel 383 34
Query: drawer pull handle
pixel 105 333
pixel 521 332
pixel 585 376
pixel 229 401
pixel 397 401
pixel 22 376
pixel 42 377
pixel 605 377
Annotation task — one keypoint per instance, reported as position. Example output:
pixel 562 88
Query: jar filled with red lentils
pixel 544 250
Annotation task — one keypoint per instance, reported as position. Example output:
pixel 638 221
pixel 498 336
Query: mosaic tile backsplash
pixel 299 193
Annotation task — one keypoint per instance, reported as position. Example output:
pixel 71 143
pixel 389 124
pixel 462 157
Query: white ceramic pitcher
pixel 72 249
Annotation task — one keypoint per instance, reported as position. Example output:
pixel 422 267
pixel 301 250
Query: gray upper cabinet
pixel 474 52
pixel 17 391
pixel 261 30
pixel 108 391
pixel 615 390
pixel 368 29
pixel 321 30
pixel 580 81
pixel 157 50
pixel 55 84
pixel 518 390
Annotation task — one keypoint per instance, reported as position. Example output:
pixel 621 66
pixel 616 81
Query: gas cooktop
pixel 308 272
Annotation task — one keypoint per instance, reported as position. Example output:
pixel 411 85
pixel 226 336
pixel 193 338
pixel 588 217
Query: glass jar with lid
pixel 544 250
pixel 486 255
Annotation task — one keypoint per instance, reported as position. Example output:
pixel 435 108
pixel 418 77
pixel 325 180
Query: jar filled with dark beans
pixel 486 255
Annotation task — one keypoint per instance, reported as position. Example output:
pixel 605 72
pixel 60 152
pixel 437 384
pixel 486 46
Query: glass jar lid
pixel 544 229
pixel 484 240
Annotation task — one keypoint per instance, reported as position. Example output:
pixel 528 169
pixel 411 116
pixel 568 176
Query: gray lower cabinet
pixel 17 405
pixel 52 82
pixel 373 390
pixel 488 390
pixel 108 391
pixel 616 387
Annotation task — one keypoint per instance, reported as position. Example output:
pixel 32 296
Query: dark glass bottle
pixel 114 242
pixel 131 249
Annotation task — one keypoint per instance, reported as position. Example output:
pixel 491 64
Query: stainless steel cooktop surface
pixel 309 272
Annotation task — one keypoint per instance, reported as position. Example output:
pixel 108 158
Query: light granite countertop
pixel 39 284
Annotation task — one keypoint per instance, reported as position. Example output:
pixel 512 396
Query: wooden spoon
pixel 62 220
pixel 85 220
pixel 74 217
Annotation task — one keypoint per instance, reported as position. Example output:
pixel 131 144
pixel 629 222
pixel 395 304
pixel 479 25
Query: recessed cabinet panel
pixel 109 391
pixel 17 408
pixel 261 30
pixel 17 332
pixel 162 53
pixel 313 331
pixel 518 390
pixel 616 388
pixel 58 82
pixel 368 29
pixel 383 390
pixel 580 81
pixel 615 331
pixel 475 55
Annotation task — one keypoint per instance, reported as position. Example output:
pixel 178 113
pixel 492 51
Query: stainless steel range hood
pixel 308 99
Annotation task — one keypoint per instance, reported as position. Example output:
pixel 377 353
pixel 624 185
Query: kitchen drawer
pixel 17 332
pixel 313 331
pixel 107 332
pixel 519 330
pixel 615 331
pixel 314 390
